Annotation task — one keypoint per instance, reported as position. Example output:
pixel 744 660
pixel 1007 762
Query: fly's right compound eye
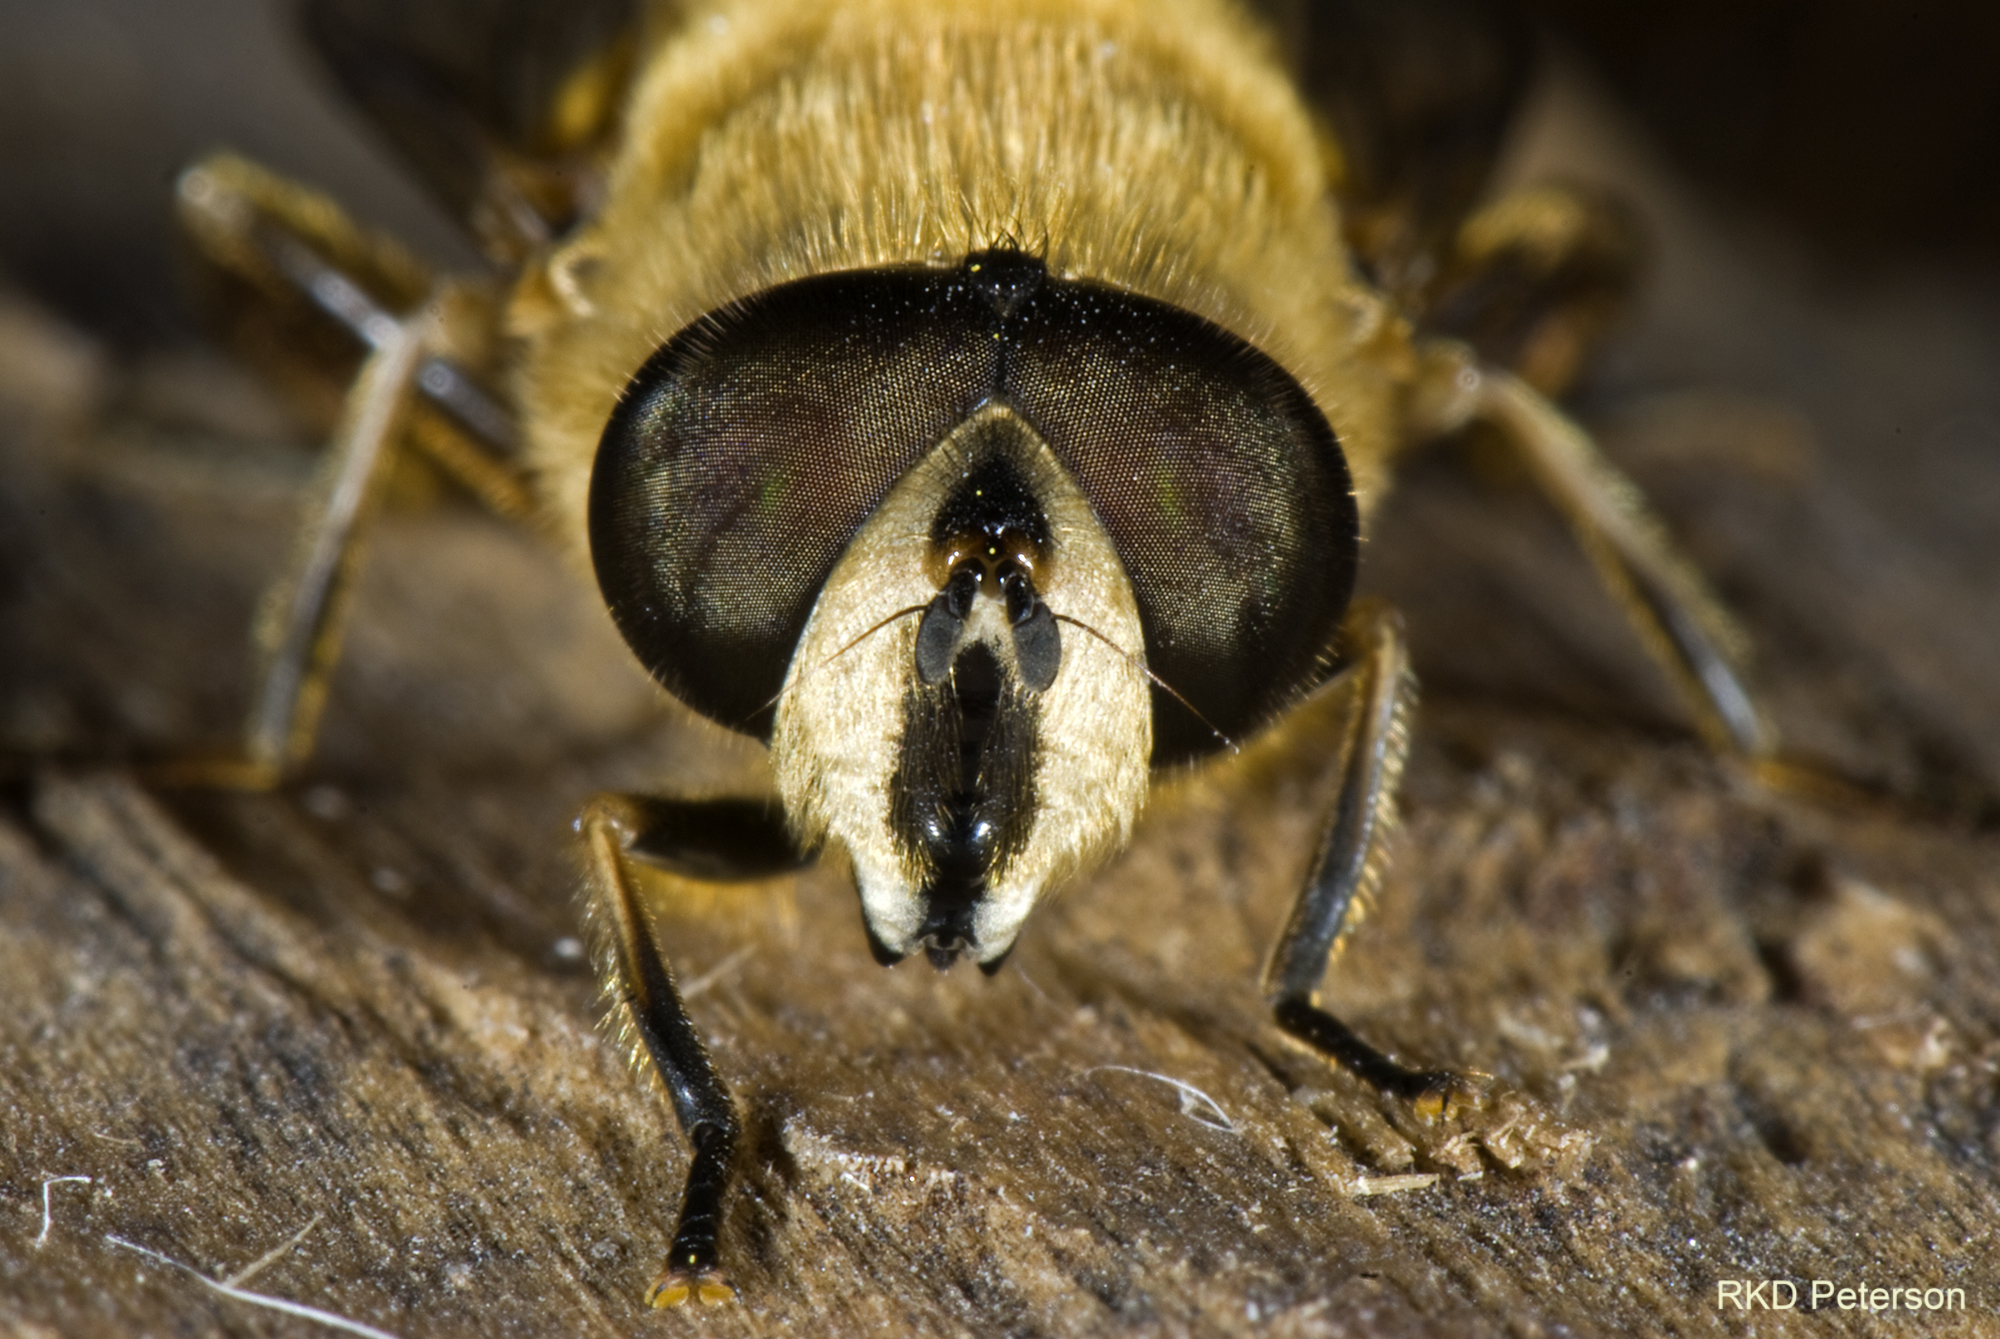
pixel 742 459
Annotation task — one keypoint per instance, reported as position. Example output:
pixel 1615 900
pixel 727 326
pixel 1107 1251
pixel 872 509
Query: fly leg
pixel 1534 279
pixel 1669 604
pixel 297 636
pixel 1680 622
pixel 1530 282
pixel 303 293
pixel 1381 694
pixel 706 840
pixel 308 292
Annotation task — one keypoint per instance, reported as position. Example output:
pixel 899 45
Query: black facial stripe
pixel 961 802
pixel 752 446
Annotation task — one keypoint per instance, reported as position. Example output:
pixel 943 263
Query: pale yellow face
pixel 1154 149
pixel 842 724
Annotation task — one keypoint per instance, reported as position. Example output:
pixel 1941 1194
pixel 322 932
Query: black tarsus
pixel 1317 1028
pixel 722 839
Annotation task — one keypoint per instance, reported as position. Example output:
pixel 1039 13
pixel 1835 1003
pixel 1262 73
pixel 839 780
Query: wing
pixel 503 107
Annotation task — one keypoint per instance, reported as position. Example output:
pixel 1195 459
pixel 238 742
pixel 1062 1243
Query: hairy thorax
pixel 769 142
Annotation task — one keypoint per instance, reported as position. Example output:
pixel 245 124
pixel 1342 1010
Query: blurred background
pixel 102 102
pixel 1868 134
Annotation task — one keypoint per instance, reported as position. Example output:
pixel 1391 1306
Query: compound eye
pixel 1222 487
pixel 744 456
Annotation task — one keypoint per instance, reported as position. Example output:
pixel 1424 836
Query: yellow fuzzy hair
pixel 1152 145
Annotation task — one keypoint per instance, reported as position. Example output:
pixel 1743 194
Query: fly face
pixel 937 721
pixel 1011 541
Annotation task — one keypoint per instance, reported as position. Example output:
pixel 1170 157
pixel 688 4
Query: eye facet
pixel 754 444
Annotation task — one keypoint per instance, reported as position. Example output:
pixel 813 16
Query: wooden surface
pixel 341 1035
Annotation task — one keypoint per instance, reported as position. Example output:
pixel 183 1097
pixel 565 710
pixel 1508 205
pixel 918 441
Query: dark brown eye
pixel 747 452
pixel 750 448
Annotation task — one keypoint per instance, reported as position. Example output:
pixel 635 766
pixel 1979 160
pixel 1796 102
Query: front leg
pixel 717 840
pixel 1352 855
